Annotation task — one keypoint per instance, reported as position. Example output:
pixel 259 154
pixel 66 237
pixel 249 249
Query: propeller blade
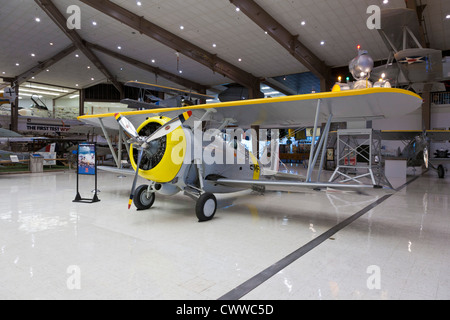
pixel 141 152
pixel 169 126
pixel 126 125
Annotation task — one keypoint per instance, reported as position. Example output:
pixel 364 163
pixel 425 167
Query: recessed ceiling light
pixel 447 16
pixel 214 45
pixel 47 70
pixel 17 64
pixel 33 55
pixel 153 60
pixel 51 43
pixel 92 79
pixel 94 23
pixel 303 23
pixel 3 72
pixel 88 67
pixel 76 85
pixel 181 71
pixel 239 59
pixel 37 19
pixel 139 3
pixel 182 27
pixel 119 47
pixel 385 1
pixel 77 56
pixel 322 43
pixel 237 9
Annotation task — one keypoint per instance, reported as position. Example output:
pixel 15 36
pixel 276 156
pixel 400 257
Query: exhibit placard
pixel 87 166
pixel 86 159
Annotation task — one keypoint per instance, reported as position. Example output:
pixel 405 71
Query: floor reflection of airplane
pixel 416 151
pixel 189 153
pixel 409 62
pixel 147 100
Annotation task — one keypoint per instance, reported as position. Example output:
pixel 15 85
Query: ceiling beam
pixel 174 42
pixel 141 65
pixel 58 18
pixel 287 40
pixel 27 75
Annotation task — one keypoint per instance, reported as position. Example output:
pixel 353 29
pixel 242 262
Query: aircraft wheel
pixel 141 200
pixel 206 207
pixel 441 172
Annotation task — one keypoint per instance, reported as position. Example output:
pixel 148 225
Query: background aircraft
pixel 164 147
pixel 409 63
pixel 417 148
pixel 146 100
pixel 7 96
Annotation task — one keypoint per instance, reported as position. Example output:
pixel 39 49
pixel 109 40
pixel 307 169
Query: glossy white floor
pixel 52 248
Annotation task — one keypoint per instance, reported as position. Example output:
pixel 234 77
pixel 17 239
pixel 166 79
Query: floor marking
pixel 268 273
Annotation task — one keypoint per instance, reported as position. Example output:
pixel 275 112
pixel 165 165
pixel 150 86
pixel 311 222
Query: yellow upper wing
pixel 291 111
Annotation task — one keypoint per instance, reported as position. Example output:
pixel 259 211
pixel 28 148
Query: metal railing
pixel 440 98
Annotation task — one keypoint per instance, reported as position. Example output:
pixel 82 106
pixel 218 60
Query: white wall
pixel 440 119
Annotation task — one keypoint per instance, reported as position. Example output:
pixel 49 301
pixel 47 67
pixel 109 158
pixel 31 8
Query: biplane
pixel 417 148
pixel 191 150
pixel 409 62
pixel 7 96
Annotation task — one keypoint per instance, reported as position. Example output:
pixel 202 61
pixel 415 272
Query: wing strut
pixel 311 163
pixel 321 147
pixel 109 142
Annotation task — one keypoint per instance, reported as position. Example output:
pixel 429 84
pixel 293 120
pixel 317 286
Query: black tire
pixel 206 206
pixel 140 198
pixel 441 171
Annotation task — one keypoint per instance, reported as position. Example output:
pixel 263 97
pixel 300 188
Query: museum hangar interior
pixel 224 150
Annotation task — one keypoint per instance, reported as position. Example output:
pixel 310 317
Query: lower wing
pixel 284 185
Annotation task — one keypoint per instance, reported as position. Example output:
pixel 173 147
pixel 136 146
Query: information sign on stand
pixel 87 166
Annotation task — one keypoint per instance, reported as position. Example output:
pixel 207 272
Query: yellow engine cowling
pixel 167 162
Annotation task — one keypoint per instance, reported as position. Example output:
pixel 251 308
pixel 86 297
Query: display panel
pixel 86 159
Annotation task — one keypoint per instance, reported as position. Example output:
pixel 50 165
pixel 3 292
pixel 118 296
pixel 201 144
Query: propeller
pixel 143 142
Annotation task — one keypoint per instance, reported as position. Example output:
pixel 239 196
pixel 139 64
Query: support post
pixel 82 99
pixel 15 109
pixel 426 107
